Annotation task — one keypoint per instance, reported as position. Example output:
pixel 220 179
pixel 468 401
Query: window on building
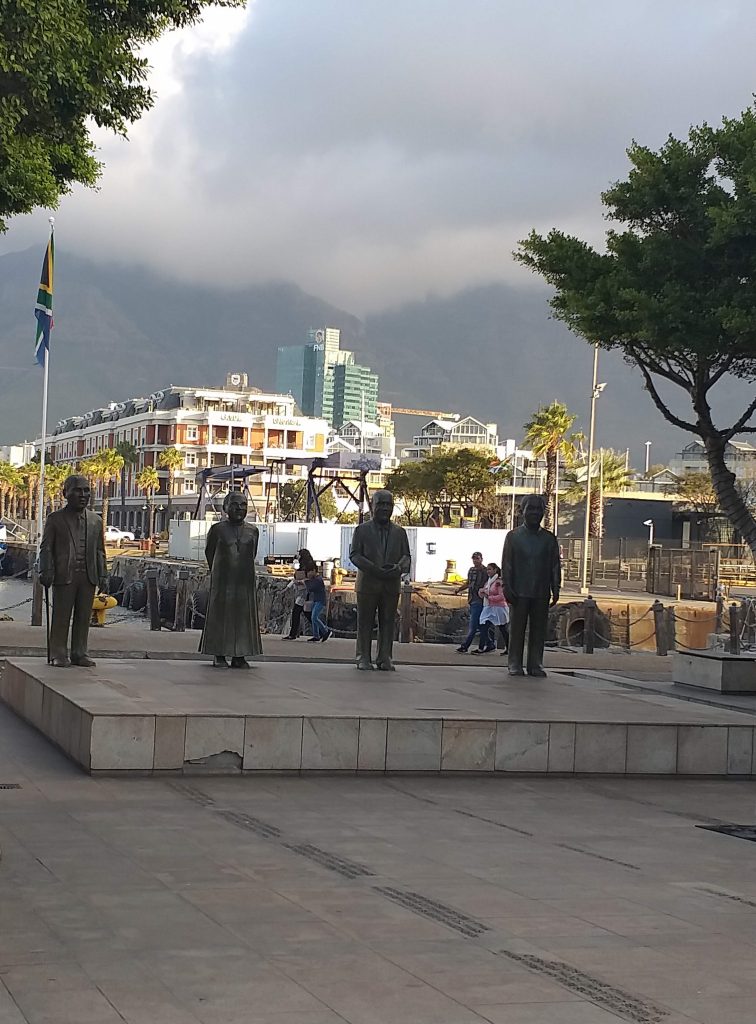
pixel 191 433
pixel 190 459
pixel 189 487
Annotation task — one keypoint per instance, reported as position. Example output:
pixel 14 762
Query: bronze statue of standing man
pixel 72 562
pixel 232 628
pixel 380 550
pixel 531 573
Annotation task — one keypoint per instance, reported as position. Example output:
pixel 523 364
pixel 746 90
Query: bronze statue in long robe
pixel 232 627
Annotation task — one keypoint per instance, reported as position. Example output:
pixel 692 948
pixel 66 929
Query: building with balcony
pixel 213 428
pixel 465 432
pixel 740 457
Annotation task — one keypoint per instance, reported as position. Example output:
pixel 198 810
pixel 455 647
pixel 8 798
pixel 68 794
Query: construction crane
pixel 430 413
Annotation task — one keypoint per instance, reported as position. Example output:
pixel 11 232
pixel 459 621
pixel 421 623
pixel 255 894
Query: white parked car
pixel 114 536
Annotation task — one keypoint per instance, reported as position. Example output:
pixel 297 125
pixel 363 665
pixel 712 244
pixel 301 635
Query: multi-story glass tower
pixel 325 380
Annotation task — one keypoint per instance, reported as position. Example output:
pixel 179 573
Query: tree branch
pixel 666 413
pixel 725 366
pixel 740 425
pixel 663 369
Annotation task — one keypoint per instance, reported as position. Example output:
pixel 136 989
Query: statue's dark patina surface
pixel 531 573
pixel 72 562
pixel 232 628
pixel 380 550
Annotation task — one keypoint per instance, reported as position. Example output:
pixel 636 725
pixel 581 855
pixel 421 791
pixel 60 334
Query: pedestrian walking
pixel 477 577
pixel 495 612
pixel 299 585
pixel 316 592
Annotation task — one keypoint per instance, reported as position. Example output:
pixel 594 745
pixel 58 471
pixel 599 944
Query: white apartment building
pixel 18 454
pixel 465 432
pixel 740 457
pixel 365 438
pixel 236 425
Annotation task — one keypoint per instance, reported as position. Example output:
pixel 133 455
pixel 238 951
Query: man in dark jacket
pixel 531 573
pixel 72 562
pixel 380 550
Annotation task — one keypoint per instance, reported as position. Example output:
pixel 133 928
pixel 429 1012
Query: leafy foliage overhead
pixel 675 290
pixel 63 62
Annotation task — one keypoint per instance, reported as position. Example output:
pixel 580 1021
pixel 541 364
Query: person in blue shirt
pixel 316 592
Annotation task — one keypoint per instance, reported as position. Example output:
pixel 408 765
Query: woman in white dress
pixel 495 612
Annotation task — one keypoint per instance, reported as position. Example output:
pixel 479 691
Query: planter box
pixel 715 670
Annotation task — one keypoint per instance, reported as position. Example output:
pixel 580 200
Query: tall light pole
pixel 650 524
pixel 596 390
pixel 648 455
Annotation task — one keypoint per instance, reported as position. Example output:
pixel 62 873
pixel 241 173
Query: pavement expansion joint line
pixel 343 867
pixel 722 894
pixel 615 1000
pixel 193 794
pixel 598 856
pixel 251 824
pixel 433 910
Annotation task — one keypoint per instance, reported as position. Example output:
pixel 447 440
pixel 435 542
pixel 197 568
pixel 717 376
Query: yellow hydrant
pixel 100 605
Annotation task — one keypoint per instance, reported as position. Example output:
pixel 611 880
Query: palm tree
pixel 549 438
pixel 130 456
pixel 105 466
pixel 7 483
pixel 30 488
pixel 13 485
pixel 55 476
pixel 609 473
pixel 171 459
pixel 148 481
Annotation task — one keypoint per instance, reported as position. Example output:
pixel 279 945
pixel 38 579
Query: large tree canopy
pixel 63 62
pixel 675 290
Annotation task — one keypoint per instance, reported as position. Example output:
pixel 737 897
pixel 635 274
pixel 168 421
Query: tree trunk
pixel 123 496
pixel 595 518
pixel 152 518
pixel 105 508
pixel 550 488
pixel 724 483
pixel 170 497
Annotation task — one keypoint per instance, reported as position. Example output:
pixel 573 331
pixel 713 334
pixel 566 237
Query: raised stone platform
pixel 715 670
pixel 172 716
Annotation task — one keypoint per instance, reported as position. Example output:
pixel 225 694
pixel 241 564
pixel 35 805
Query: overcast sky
pixel 373 151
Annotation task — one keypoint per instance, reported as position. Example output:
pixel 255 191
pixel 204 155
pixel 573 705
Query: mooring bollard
pixel 659 628
pixel 405 614
pixel 720 614
pixel 734 628
pixel 589 624
pixel 37 595
pixel 153 599
pixel 182 588
pixel 671 628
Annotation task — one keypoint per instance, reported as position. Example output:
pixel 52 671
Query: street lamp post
pixel 596 390
pixel 648 455
pixel 650 524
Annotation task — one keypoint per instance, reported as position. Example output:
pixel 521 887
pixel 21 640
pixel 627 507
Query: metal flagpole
pixel 41 493
pixel 555 524
pixel 586 531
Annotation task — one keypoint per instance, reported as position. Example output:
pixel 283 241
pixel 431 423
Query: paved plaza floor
pixel 133 638
pixel 370 900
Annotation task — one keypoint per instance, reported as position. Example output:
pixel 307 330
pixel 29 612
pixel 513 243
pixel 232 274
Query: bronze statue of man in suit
pixel 72 562
pixel 380 550
pixel 232 628
pixel 531 574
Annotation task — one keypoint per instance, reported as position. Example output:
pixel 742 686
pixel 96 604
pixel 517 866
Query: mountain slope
pixel 124 332
pixel 490 351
